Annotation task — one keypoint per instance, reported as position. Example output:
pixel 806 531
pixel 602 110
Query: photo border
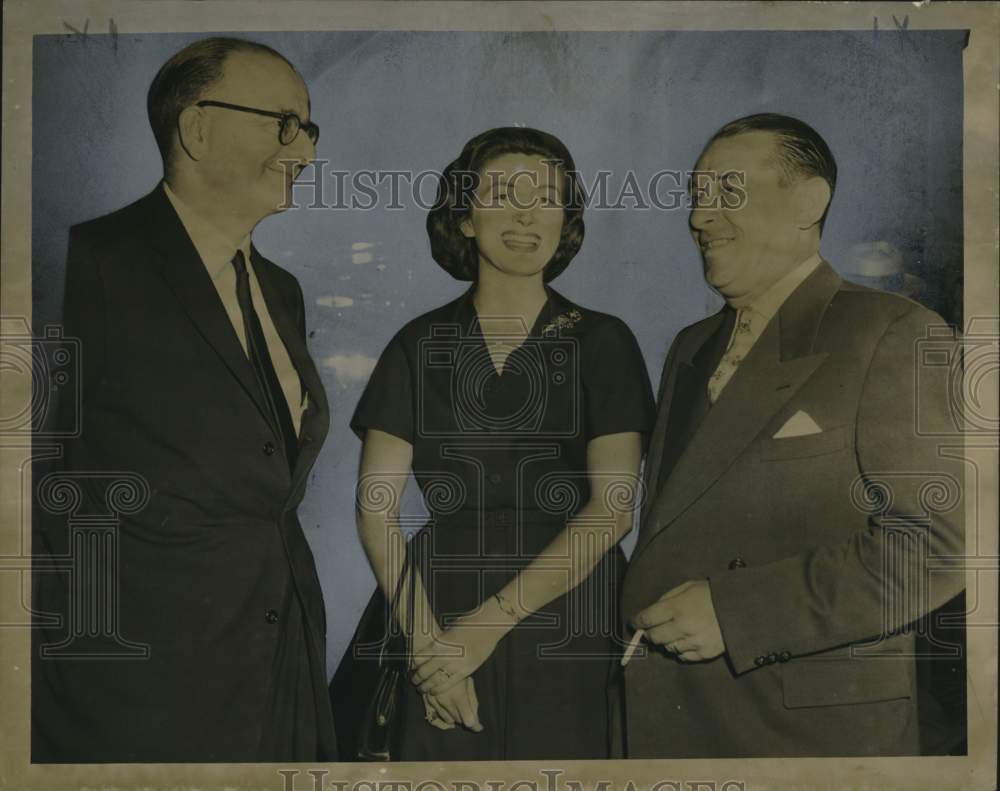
pixel 25 18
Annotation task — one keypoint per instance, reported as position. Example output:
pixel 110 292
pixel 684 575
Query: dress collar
pixel 557 314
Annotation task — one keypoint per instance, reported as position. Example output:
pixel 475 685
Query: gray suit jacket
pixel 816 546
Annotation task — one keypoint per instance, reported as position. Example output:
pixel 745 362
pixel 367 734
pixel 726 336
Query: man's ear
pixel 812 197
pixel 466 228
pixel 192 134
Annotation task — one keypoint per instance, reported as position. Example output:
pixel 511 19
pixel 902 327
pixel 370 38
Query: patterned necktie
pixel 749 324
pixel 260 358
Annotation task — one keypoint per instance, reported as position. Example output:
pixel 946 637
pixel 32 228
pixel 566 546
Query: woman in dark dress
pixel 522 417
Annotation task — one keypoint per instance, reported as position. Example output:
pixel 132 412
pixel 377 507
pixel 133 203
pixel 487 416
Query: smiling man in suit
pixel 792 504
pixel 196 377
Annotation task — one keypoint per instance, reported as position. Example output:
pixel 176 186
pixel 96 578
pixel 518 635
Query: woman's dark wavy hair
pixel 456 253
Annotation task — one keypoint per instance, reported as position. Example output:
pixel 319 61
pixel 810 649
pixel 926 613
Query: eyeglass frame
pixel 307 126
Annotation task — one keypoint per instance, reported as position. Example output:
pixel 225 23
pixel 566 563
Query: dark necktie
pixel 260 358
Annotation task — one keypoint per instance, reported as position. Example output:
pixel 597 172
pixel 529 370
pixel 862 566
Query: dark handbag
pixel 378 721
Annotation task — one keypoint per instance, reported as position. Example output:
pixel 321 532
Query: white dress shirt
pixel 217 254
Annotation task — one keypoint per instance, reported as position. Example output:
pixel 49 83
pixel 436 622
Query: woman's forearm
pixel 569 558
pixel 612 466
pixel 567 561
pixel 384 544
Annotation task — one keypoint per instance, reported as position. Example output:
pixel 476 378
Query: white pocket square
pixel 798 425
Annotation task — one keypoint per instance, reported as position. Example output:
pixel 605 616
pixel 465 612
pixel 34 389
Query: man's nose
pixel 301 149
pixel 701 217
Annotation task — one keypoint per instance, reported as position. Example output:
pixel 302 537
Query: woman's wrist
pixel 509 609
pixel 421 638
pixel 499 614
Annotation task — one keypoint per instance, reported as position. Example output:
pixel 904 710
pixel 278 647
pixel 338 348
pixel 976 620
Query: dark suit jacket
pixel 805 563
pixel 215 579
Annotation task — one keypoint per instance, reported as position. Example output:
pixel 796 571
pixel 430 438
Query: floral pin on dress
pixel 563 321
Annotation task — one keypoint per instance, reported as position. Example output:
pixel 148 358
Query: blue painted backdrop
pixel 889 105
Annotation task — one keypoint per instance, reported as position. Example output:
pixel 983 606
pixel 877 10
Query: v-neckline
pixel 534 331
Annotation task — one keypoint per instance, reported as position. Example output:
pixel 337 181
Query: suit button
pixel 737 563
pixel 760 660
pixel 271 616
pixel 784 656
pixel 495 478
pixel 772 658
pixel 269 449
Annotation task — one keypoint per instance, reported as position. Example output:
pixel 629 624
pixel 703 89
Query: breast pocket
pixel 829 441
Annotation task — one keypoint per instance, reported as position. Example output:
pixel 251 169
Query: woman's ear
pixel 813 198
pixel 467 229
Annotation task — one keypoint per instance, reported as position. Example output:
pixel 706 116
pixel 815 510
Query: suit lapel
pixel 187 277
pixel 775 369
pixel 677 369
pixel 315 418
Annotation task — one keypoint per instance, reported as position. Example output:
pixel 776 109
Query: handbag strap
pixel 410 566
pixel 394 604
pixel 407 575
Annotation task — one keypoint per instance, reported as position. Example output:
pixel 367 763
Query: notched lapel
pixel 772 373
pixel 688 347
pixel 185 273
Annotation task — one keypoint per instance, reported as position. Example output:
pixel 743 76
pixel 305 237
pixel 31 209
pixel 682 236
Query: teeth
pixel 520 244
pixel 715 243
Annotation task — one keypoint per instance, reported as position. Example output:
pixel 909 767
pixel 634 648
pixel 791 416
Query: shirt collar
pixel 768 303
pixel 215 250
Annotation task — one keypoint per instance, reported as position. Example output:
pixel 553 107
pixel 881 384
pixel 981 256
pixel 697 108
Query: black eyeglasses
pixel 290 122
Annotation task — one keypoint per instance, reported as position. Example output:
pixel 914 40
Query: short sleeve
pixel 387 402
pixel 618 396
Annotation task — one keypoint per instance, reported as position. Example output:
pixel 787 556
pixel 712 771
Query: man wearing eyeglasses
pixel 197 378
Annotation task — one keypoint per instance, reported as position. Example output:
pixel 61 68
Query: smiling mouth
pixel 290 174
pixel 520 243
pixel 712 244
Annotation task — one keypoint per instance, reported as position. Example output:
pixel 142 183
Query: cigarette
pixel 633 644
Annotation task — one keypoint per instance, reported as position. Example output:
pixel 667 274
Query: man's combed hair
pixel 458 254
pixel 185 78
pixel 802 152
